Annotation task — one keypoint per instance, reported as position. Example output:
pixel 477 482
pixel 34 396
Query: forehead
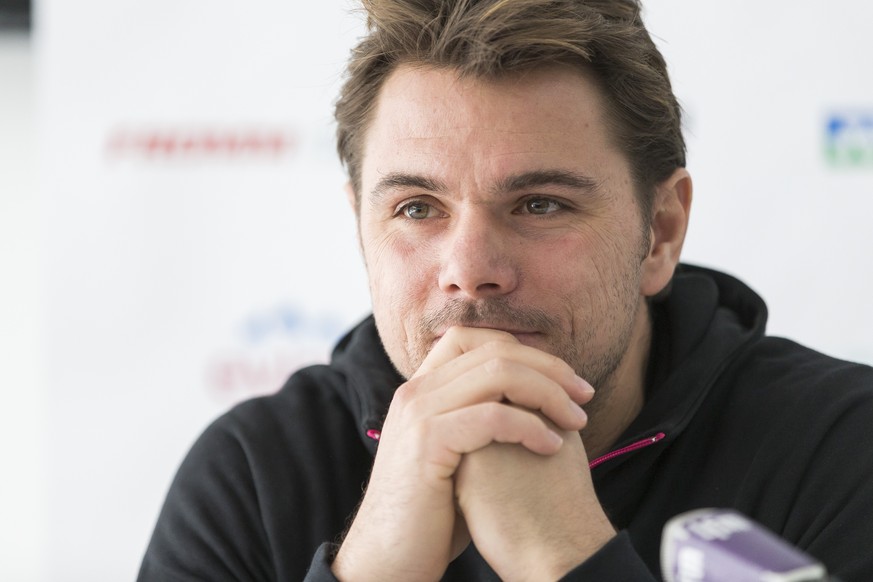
pixel 432 122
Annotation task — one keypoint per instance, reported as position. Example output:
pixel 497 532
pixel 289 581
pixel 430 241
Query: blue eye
pixel 541 206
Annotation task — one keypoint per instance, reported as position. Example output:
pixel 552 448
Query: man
pixel 539 388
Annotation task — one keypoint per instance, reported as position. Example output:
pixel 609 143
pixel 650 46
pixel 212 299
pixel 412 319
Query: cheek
pixel 581 270
pixel 399 272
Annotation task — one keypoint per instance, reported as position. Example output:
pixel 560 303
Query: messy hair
pixel 490 39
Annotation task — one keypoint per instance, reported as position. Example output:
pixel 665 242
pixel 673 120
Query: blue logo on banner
pixel 849 139
pixel 272 344
pixel 291 323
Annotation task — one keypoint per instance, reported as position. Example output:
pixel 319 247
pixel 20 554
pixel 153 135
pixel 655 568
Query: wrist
pixel 562 563
pixel 549 559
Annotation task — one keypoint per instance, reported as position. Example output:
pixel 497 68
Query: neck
pixel 619 402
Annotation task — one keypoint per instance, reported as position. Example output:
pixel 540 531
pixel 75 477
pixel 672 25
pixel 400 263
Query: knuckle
pixel 498 366
pixel 492 414
pixel 405 394
pixel 496 347
pixel 492 348
pixel 422 429
pixel 555 363
pixel 500 343
pixel 410 403
pixel 452 333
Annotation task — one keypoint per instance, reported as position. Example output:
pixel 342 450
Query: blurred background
pixel 174 236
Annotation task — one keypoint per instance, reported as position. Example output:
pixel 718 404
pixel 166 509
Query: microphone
pixel 721 545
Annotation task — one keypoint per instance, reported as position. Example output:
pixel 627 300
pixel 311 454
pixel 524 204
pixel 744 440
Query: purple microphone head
pixel 717 545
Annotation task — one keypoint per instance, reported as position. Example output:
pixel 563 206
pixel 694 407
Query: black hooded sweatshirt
pixel 732 419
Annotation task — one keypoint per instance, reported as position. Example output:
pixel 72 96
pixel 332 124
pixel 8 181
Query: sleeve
pixel 810 479
pixel 209 527
pixel 833 517
pixel 617 560
pixel 320 570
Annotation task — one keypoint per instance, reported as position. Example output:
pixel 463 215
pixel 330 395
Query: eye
pixel 417 210
pixel 541 206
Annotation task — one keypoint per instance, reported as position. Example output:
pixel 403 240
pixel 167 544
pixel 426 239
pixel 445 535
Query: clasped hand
pixel 481 443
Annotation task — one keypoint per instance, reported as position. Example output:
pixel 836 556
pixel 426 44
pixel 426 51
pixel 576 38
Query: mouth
pixel 524 336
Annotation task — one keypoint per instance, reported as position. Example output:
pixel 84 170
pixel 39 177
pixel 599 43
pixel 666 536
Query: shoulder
pixel 310 393
pixel 801 422
pixel 304 423
pixel 794 423
pixel 783 420
pixel 282 442
pixel 264 485
pixel 781 370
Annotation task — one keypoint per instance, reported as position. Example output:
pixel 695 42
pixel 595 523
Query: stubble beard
pixel 598 366
pixel 576 346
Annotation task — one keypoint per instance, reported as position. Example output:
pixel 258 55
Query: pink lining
pixel 377 434
pixel 630 448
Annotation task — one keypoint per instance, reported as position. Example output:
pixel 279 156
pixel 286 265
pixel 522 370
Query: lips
pixel 519 334
pixel 506 329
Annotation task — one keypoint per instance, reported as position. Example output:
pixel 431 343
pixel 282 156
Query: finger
pixel 499 380
pixel 474 427
pixel 458 341
pixel 551 366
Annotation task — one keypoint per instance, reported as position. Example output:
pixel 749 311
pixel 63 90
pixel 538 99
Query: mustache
pixel 496 312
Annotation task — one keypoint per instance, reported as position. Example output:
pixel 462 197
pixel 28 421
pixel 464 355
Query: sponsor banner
pixel 199 243
pixel 269 344
pixel 199 246
pixel 848 139
pixel 192 144
pixel 779 150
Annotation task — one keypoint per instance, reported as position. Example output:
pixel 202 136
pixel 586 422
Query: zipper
pixel 377 434
pixel 628 449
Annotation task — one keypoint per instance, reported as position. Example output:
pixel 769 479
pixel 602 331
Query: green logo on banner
pixel 849 139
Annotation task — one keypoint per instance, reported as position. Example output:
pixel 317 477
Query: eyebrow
pixel 523 181
pixel 396 180
pixel 537 178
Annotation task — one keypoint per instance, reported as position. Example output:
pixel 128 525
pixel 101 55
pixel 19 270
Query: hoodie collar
pixel 371 378
pixel 708 320
pixel 699 327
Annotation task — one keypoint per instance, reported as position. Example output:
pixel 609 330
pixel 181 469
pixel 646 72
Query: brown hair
pixel 491 38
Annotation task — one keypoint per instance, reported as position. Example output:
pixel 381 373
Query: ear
pixel 351 196
pixel 669 222
pixel 354 202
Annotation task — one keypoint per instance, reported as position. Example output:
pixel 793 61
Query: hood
pixel 705 320
pixel 708 320
pixel 700 326
pixel 370 377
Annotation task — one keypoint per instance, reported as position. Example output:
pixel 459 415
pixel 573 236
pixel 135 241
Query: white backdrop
pixel 198 246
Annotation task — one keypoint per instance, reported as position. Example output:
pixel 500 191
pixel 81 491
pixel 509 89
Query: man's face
pixel 500 204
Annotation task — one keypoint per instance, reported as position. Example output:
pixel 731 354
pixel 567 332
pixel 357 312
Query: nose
pixel 477 260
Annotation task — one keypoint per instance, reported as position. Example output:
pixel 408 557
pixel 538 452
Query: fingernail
pixel 577 410
pixel 556 438
pixel 586 387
